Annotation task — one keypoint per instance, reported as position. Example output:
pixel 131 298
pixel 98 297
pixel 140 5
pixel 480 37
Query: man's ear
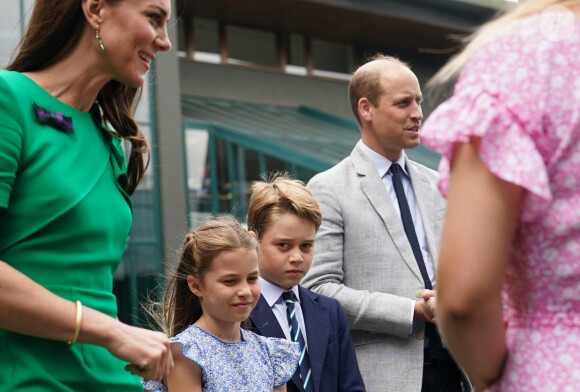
pixel 364 109
pixel 194 285
pixel 92 10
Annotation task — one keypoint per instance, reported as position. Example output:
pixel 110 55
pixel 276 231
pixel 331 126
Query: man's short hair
pixel 367 83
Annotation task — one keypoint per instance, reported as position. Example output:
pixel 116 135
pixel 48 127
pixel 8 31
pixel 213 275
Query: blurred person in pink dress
pixel 509 275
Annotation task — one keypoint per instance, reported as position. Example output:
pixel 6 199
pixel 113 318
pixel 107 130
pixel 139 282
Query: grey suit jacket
pixel 363 259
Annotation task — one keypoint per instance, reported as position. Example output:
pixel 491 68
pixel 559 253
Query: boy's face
pixel 286 250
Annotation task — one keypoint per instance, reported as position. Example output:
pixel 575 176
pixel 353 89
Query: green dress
pixel 64 222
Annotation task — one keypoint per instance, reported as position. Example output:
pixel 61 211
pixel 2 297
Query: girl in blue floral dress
pixel 213 290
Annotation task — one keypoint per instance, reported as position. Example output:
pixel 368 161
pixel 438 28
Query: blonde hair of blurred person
pixel 526 7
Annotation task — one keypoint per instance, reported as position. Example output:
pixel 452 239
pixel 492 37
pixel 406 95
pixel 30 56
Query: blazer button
pixel 420 336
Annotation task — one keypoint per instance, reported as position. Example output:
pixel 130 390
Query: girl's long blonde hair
pixel 179 307
pixel 527 7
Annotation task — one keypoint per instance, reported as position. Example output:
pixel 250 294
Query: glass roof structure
pixel 301 136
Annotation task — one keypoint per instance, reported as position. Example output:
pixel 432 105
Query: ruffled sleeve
pixel 284 355
pixel 191 349
pixel 499 98
pixel 153 385
pixel 507 148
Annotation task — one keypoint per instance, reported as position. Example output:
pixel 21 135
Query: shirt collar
pixel 381 163
pixel 272 292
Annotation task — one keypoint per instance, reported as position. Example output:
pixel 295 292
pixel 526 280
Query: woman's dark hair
pixel 53 33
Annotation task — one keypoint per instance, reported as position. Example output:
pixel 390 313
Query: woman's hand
pixel 28 308
pixel 147 351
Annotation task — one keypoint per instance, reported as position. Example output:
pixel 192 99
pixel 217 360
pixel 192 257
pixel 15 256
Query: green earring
pixel 100 40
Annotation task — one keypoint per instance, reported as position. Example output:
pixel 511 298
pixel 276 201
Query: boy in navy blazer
pixel 285 218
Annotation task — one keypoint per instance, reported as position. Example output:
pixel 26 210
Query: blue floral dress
pixel 256 364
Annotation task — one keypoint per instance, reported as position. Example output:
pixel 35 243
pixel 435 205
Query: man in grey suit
pixel 364 256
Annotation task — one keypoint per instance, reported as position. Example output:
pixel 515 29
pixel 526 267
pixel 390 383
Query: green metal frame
pixel 263 146
pixel 236 146
pixel 239 141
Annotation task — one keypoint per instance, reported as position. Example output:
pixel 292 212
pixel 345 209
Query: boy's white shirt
pixel 272 295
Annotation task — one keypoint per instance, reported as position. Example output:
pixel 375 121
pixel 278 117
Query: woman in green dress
pixel 65 210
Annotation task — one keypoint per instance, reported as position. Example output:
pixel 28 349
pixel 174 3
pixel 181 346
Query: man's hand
pixel 425 305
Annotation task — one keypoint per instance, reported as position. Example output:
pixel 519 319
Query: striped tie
pixel 296 335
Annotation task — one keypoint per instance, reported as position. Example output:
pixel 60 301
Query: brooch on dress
pixel 54 119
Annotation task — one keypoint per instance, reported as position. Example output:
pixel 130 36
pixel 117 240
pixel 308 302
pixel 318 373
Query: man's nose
pixel 417 113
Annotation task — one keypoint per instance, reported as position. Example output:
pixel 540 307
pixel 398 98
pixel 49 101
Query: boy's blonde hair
pixel 276 195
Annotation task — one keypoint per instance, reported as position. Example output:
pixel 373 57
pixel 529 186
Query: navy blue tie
pixel 296 335
pixel 433 339
pixel 408 225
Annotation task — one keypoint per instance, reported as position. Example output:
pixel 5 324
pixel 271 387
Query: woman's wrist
pixel 78 322
pixel 97 328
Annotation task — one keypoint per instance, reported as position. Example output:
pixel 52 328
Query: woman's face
pixel 133 31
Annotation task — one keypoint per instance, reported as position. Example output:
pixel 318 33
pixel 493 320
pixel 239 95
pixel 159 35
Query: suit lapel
pixel 425 196
pixel 317 332
pixel 264 320
pixel 374 189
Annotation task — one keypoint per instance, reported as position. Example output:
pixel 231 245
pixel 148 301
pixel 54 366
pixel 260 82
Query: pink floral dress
pixel 520 92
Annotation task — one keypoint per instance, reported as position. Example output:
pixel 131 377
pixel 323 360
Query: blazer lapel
pixel 264 320
pixel 317 332
pixel 374 189
pixel 425 196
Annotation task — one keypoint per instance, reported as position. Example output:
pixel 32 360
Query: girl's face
pixel 133 31
pixel 230 288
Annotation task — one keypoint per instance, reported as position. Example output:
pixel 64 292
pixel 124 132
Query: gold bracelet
pixel 78 323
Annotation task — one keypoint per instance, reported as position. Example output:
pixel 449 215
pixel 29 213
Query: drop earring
pixel 99 39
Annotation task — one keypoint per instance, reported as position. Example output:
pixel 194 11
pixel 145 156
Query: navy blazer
pixel 332 358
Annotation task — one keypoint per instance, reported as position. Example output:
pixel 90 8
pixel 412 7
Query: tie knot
pixel 396 168
pixel 288 296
